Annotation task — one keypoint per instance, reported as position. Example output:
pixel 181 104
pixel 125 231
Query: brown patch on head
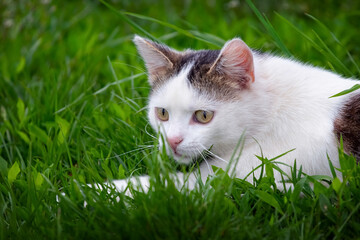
pixel 218 74
pixel 347 125
pixel 212 83
pixel 236 62
pixel 224 73
pixel 160 60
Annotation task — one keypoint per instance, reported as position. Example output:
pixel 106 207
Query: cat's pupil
pixel 204 114
pixel 163 111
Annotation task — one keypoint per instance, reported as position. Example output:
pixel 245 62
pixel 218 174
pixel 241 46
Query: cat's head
pixel 195 95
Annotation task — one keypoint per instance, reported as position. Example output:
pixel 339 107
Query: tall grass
pixel 73 95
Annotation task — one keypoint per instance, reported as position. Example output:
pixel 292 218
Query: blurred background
pixel 73 95
pixel 72 85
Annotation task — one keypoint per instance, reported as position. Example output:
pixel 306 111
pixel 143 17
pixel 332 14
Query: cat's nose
pixel 174 142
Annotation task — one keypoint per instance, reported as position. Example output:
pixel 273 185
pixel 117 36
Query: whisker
pixel 141 109
pixel 141 160
pixel 131 151
pixel 151 141
pixel 213 154
pixel 146 146
pixel 146 131
pixel 204 158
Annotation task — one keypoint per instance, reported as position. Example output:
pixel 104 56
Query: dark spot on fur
pixel 214 84
pixel 163 74
pixel 179 61
pixel 347 125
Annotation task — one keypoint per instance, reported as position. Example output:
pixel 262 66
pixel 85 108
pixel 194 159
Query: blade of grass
pixel 212 38
pixel 332 55
pixel 176 28
pixel 352 89
pixel 270 29
pixel 348 218
pixel 317 47
pixel 129 21
pixel 123 15
pixel 335 38
pixel 322 48
pixel 118 82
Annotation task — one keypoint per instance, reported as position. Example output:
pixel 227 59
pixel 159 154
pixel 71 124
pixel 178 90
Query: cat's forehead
pixel 193 67
pixel 198 58
pixel 178 93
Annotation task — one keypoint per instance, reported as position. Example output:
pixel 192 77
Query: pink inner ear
pixel 158 58
pixel 237 60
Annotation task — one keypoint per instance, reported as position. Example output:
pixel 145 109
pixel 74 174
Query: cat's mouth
pixel 188 154
pixel 182 158
pixel 189 158
pixel 177 154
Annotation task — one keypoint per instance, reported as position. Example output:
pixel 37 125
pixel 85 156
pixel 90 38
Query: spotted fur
pixel 347 126
pixel 213 82
pixel 278 104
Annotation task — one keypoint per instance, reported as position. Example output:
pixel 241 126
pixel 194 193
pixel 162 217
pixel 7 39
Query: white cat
pixel 207 99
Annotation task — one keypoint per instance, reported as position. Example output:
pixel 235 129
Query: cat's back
pixel 293 72
pixel 347 125
pixel 308 90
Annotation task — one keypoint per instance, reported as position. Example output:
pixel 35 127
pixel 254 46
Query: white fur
pixel 177 97
pixel 286 107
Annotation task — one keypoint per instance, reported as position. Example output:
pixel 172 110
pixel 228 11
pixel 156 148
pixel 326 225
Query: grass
pixel 72 111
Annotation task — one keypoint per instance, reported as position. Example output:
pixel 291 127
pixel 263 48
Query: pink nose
pixel 174 142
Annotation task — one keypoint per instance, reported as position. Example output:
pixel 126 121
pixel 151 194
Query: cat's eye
pixel 162 114
pixel 202 116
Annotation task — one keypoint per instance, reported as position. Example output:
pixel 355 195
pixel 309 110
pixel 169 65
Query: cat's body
pixel 207 99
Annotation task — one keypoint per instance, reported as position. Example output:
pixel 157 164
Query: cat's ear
pixel 236 62
pixel 159 59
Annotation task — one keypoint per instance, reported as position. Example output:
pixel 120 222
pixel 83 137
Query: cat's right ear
pixel 235 61
pixel 159 59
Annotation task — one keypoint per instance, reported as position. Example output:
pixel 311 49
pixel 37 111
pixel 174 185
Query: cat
pixel 205 101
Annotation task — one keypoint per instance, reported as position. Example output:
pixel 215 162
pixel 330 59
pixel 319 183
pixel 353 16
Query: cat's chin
pixel 182 159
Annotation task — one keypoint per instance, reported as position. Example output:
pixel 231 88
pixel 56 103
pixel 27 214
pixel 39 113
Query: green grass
pixel 72 111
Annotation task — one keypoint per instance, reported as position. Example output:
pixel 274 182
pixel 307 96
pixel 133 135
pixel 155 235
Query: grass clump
pixel 72 111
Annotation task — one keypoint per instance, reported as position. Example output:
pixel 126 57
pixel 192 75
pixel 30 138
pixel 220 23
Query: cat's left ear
pixel 159 59
pixel 236 62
